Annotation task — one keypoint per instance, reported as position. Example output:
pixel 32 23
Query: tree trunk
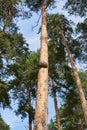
pixel 56 106
pixel 80 127
pixel 77 80
pixel 41 114
pixel 29 103
pixel 6 23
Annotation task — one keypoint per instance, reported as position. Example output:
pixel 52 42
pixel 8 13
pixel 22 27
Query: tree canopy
pixel 77 7
pixel 24 78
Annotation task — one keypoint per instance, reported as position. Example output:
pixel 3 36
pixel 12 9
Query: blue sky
pixel 17 123
pixel 32 38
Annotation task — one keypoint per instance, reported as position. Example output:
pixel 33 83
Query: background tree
pixel 77 7
pixel 6 28
pixel 71 112
pixel 52 125
pixel 55 32
pixel 23 84
pixel 77 80
pixel 81 31
pixel 41 115
pixel 56 75
pixel 11 52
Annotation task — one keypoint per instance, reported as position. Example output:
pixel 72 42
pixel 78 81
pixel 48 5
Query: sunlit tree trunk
pixel 41 113
pixel 77 79
pixel 56 106
pixel 29 103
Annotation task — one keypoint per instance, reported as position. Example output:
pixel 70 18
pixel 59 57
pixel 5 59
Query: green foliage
pixel 22 66
pixel 4 96
pixel 56 63
pixel 77 7
pixel 71 112
pixel 54 24
pixel 36 5
pixel 82 27
pixel 52 125
pixel 81 30
pixel 7 5
pixel 10 9
pixel 59 69
pixel 58 23
pixel 71 116
pixel 24 72
pixel 12 46
pixel 3 125
pixel 83 77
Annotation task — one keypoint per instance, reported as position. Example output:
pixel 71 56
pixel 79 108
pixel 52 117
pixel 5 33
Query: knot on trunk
pixel 43 65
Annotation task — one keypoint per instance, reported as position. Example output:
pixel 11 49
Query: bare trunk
pixel 9 12
pixel 30 123
pixel 6 23
pixel 77 79
pixel 41 114
pixel 80 127
pixel 29 103
pixel 56 106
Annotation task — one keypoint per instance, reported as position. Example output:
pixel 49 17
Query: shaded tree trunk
pixel 29 103
pixel 6 23
pixel 56 106
pixel 41 114
pixel 80 127
pixel 77 80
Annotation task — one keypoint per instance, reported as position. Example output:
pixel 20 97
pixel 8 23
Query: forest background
pixel 32 38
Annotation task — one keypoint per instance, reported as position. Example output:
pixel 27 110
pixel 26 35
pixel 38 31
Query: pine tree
pixel 24 84
pixel 77 80
pixel 77 7
pixel 54 34
pixel 41 114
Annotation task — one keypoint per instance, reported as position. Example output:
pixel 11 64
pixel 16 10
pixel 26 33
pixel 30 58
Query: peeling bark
pixel 41 114
pixel 77 80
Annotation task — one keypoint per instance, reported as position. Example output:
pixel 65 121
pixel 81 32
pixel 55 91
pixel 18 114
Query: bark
pixel 8 19
pixel 80 127
pixel 9 12
pixel 56 106
pixel 41 114
pixel 29 103
pixel 77 80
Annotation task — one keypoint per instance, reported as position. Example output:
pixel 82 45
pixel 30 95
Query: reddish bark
pixel 41 114
pixel 29 103
pixel 56 106
pixel 77 80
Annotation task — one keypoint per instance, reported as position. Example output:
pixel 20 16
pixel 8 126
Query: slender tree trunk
pixel 29 103
pixel 56 106
pixel 6 23
pixel 77 79
pixel 41 114
pixel 80 127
